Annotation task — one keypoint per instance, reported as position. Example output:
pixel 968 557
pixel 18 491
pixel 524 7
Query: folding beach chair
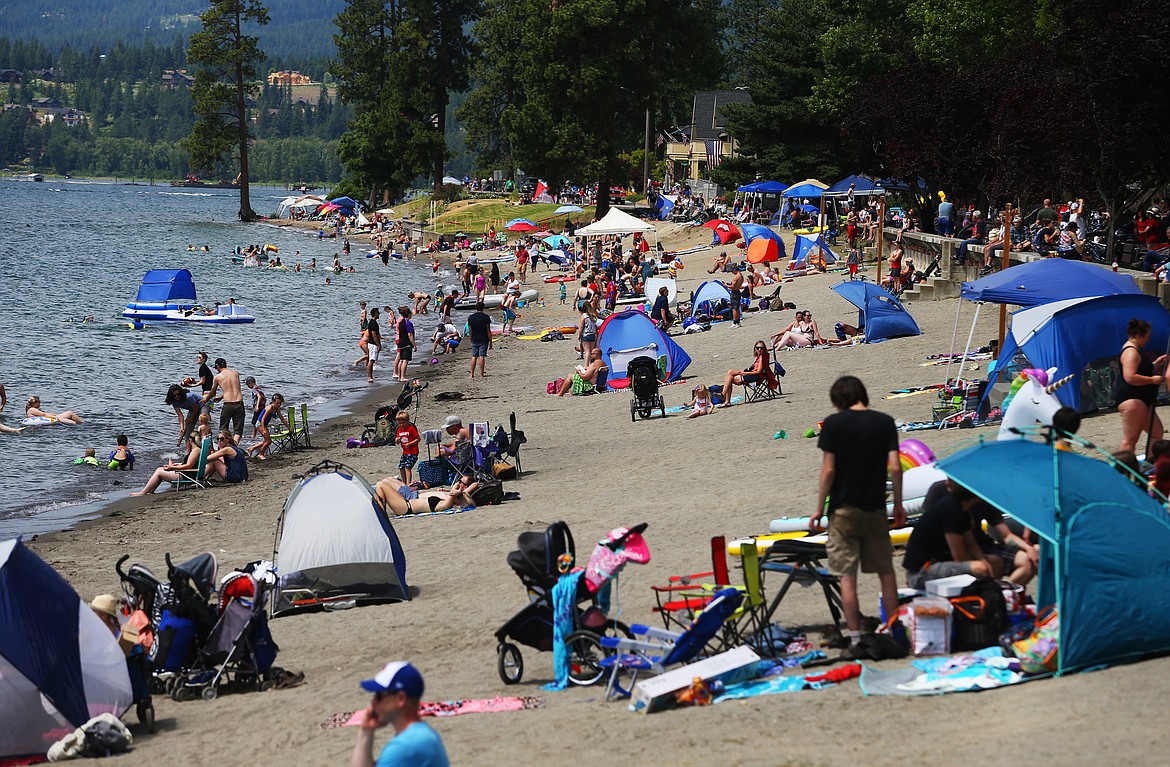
pixel 766 386
pixel 195 478
pixel 801 562
pixel 659 649
pixel 299 428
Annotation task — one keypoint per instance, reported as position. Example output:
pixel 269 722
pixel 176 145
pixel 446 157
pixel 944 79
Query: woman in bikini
pixel 363 337
pixel 801 334
pixel 399 498
pixel 32 409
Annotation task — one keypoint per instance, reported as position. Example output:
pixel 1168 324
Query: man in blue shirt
pixel 945 224
pixel 397 689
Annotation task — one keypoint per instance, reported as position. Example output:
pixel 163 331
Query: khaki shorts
pixel 858 537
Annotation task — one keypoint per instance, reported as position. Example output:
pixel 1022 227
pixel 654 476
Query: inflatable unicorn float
pixel 1031 400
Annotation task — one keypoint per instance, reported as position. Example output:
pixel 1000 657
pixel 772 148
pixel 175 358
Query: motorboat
pixel 28 177
pixel 168 295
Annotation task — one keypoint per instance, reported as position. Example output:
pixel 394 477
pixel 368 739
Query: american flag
pixel 714 153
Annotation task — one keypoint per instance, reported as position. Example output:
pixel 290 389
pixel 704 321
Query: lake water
pixel 73 249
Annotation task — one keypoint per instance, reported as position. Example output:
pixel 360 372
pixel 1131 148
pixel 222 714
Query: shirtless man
pixel 736 288
pixel 721 261
pixel 227 382
pixel 586 375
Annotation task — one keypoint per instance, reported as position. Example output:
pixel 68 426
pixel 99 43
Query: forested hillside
pixel 298 28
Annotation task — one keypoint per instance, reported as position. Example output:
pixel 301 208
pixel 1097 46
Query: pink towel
pixel 452 708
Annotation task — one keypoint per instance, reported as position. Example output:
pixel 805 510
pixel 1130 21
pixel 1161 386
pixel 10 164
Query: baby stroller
pixel 381 431
pixel 643 373
pixel 239 648
pixel 539 561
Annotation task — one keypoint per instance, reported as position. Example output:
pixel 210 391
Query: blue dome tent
pixel 59 664
pixel 811 243
pixel 707 295
pixel 879 313
pixel 1053 335
pixel 1105 564
pixel 629 334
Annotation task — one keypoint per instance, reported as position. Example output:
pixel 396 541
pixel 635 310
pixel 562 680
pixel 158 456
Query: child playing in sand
pixel 406 435
pixel 120 457
pixel 275 407
pixel 701 404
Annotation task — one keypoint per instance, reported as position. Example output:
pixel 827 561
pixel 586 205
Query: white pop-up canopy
pixel 616 222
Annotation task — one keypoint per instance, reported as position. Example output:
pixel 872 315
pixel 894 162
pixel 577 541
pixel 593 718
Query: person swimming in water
pixel 32 409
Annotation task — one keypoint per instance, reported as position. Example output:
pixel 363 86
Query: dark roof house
pixel 707 117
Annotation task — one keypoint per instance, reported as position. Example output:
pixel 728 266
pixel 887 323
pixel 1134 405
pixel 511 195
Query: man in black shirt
pixel 943 542
pixel 373 343
pixel 859 446
pixel 479 326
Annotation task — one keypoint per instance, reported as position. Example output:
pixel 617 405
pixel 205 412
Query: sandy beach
pixel 587 464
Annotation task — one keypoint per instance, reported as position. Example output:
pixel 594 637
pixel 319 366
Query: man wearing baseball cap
pixel 397 689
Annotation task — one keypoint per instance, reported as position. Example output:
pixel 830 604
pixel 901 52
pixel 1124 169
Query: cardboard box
pixel 657 693
pixel 949 587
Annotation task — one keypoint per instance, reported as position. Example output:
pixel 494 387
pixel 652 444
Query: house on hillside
pixel 175 79
pixel 708 143
pixel 46 102
pixel 286 78
pixel 11 76
pixel 48 75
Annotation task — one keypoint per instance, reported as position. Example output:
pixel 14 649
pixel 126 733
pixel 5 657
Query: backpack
pixel 489 493
pixel 980 616
pixel 103 738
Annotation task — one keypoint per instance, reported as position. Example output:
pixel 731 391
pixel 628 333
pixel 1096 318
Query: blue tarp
pixel 1054 335
pixel 1048 280
pixel 882 315
pixel 160 286
pixel 664 205
pixel 861 185
pixel 809 243
pixel 1106 559
pixel 710 293
pixel 631 329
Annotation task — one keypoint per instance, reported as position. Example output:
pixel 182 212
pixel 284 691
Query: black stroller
pixel 539 560
pixel 239 648
pixel 381 431
pixel 643 373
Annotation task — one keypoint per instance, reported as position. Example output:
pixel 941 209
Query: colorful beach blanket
pixel 982 670
pixel 446 708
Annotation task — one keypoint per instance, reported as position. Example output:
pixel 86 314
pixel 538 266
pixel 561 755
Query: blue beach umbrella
pixel 566 209
pixel 557 241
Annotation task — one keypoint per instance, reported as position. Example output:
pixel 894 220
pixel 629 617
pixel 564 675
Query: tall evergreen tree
pixel 226 65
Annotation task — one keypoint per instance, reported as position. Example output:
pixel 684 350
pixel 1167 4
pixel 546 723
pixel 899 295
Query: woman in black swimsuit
pixel 1138 389
pixel 394 496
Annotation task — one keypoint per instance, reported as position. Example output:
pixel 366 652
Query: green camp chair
pixel 282 440
pixel 196 479
pixel 305 425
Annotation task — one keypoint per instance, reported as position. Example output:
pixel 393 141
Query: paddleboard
pixel 898 537
pixel 560 278
pixel 493 301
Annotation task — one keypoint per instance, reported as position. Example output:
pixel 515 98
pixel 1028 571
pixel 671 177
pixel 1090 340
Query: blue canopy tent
pixel 166 286
pixel 1035 283
pixel 861 185
pixel 707 295
pixel 347 203
pixel 1105 564
pixel 810 243
pixel 882 315
pixel 629 334
pixel 808 188
pixel 1053 335
pixel 59 664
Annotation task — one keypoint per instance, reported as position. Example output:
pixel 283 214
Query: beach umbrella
pixel 724 230
pixel 452 180
pixel 566 209
pixel 387 212
pixel 558 241
pixel 520 225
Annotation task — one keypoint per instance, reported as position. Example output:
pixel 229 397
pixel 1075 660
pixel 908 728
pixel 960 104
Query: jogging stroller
pixel 239 648
pixel 381 431
pixel 643 373
pixel 539 561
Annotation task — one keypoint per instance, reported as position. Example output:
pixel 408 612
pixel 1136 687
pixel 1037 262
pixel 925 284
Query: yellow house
pixel 708 142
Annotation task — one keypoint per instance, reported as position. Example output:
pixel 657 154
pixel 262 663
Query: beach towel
pixel 564 598
pixel 982 670
pixel 446 708
pixel 774 685
pixel 432 436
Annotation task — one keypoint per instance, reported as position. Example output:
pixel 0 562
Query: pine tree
pixel 226 65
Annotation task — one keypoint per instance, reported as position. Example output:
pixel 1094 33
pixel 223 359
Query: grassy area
pixel 475 216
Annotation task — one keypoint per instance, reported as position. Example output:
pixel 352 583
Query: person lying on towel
pixel 398 498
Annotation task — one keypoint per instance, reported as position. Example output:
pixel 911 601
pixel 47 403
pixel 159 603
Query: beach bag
pixel 1039 648
pixel 980 616
pixel 434 472
pixel 928 624
pixel 503 470
pixel 716 394
pixel 489 493
pixel 555 386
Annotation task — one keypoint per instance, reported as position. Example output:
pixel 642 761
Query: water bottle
pixel 1115 264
